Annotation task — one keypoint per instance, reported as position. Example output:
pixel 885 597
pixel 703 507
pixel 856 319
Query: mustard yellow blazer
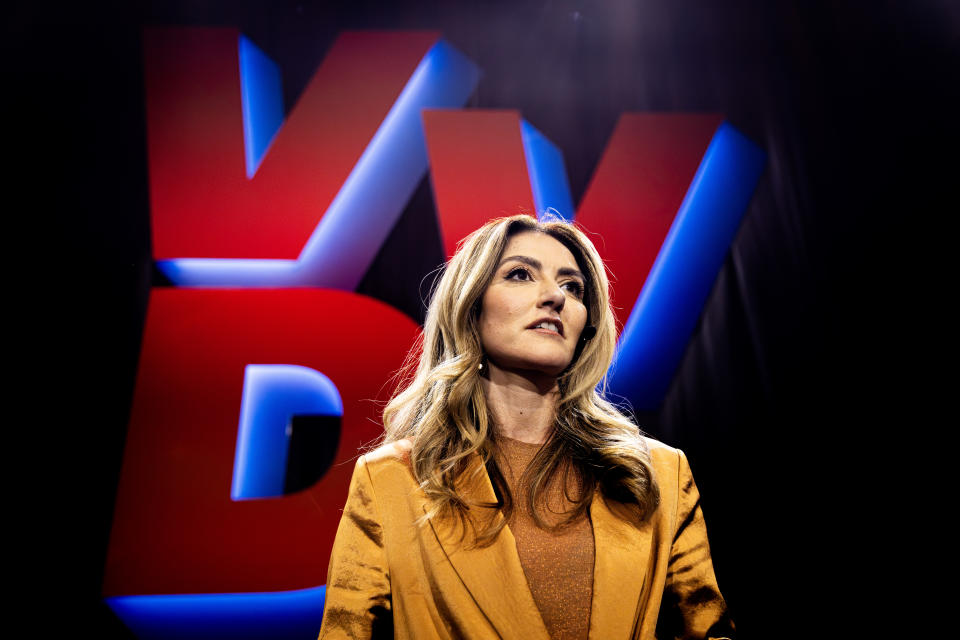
pixel 390 576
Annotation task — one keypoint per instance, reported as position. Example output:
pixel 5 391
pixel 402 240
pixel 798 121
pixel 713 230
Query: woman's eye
pixel 575 288
pixel 518 274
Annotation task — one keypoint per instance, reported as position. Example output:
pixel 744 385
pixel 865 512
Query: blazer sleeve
pixel 358 603
pixel 692 605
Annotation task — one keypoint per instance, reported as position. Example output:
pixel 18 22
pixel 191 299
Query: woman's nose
pixel 552 296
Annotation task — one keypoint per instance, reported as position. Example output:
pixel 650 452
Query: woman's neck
pixel 523 407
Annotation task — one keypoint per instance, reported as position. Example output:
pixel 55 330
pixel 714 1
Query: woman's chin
pixel 538 369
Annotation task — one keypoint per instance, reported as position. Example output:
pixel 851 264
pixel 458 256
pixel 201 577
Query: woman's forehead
pixel 545 248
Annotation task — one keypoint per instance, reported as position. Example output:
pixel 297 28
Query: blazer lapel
pixel 621 576
pixel 493 574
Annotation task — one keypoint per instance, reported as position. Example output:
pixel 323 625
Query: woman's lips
pixel 548 325
pixel 546 332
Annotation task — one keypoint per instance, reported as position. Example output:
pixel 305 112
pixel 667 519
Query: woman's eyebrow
pixel 533 262
pixel 567 271
pixel 536 264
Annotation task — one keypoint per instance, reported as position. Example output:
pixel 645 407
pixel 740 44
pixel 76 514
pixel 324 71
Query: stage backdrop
pixel 792 397
pixel 262 371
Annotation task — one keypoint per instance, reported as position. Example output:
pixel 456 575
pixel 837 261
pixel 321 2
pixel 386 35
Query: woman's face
pixel 532 313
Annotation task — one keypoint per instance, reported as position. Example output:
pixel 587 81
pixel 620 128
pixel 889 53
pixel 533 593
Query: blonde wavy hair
pixel 440 404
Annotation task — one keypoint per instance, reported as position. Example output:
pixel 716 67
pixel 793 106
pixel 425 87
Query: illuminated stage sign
pixel 262 351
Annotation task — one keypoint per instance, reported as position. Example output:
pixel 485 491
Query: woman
pixel 510 499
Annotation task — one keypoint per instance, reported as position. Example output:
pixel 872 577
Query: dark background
pixel 800 396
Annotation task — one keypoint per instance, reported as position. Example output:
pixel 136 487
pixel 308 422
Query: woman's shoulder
pixel 389 471
pixel 390 454
pixel 663 457
pixel 655 447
